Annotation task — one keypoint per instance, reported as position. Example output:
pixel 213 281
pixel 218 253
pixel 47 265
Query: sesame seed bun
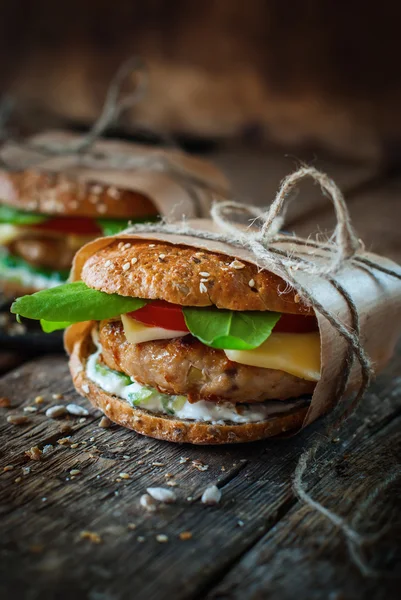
pixel 113 178
pixel 161 426
pixel 60 194
pixel 187 276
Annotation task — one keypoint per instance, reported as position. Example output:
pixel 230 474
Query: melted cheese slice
pixel 137 332
pixel 295 353
pixel 8 233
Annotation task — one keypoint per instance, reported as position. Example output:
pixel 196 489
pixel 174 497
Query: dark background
pixel 317 74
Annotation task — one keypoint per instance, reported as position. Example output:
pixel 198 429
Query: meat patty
pixel 188 367
pixel 49 252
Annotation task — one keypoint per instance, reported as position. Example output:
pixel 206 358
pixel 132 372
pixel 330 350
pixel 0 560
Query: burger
pixel 50 206
pixel 46 217
pixel 184 344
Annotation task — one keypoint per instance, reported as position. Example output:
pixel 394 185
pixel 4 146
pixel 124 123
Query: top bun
pixel 113 178
pixel 60 194
pixel 187 276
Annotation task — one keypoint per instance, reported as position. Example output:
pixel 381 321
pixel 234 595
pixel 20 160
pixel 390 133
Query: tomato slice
pixel 161 314
pixel 73 225
pixel 296 324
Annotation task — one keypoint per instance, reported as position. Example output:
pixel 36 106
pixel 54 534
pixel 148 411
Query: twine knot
pixel 345 243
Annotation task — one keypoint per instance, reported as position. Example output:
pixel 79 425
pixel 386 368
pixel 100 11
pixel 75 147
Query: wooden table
pixel 71 523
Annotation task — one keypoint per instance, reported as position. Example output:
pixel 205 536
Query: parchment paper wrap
pixel 376 295
pixel 177 183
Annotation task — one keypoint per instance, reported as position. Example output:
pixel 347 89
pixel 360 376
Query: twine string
pixel 114 104
pixel 346 242
pixel 355 541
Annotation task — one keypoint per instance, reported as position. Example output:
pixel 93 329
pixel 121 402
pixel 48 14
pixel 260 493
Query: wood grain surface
pixel 84 535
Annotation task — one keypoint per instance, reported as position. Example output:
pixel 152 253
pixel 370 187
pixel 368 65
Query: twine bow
pixel 114 105
pixel 345 246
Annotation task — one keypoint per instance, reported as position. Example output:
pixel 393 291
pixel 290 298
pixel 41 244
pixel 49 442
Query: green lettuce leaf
pixel 73 303
pixel 50 326
pixel 104 371
pixel 114 226
pixel 12 216
pixel 230 330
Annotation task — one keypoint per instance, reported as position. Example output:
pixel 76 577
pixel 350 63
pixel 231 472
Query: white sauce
pixel 29 279
pixel 210 412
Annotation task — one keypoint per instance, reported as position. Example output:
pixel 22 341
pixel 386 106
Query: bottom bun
pixel 164 427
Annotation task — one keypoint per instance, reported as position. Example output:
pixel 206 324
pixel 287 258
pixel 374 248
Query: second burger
pixel 50 206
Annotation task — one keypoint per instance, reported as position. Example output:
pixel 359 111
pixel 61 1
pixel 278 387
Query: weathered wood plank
pixel 305 556
pixel 10 360
pixel 44 513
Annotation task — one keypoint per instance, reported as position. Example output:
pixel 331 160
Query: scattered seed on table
pixel 17 419
pixel 54 412
pixel 185 535
pixel 104 422
pixel 5 402
pixel 162 494
pixel 92 536
pixel 147 502
pixel 34 453
pixel 78 411
pixel 65 441
pixel 198 464
pixel 162 538
pixel 211 495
